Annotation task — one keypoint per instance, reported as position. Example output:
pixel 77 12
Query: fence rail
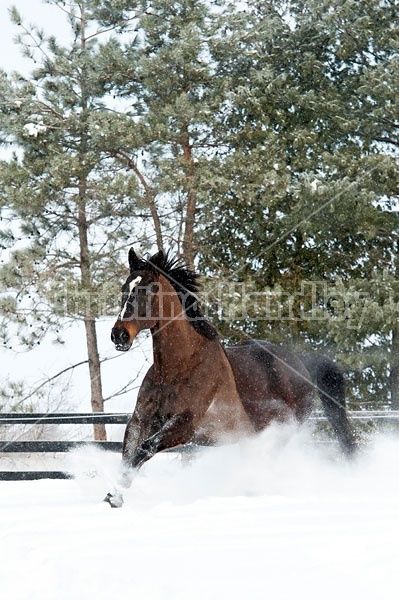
pixel 54 446
pixel 380 416
pixel 63 418
pixel 39 446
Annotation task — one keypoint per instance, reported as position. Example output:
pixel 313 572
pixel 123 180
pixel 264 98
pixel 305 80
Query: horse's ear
pixel 158 260
pixel 134 261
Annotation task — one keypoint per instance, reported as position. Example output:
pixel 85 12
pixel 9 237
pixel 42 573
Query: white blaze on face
pixel 132 285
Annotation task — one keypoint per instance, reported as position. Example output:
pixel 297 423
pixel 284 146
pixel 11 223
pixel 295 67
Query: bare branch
pixel 39 387
pixel 148 195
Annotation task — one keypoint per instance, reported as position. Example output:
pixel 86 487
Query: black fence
pixel 38 446
pixel 366 419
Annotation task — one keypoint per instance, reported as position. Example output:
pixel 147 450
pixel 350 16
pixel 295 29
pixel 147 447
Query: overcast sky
pixel 50 18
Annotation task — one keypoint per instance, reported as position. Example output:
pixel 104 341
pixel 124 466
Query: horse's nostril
pixel 119 336
pixel 124 336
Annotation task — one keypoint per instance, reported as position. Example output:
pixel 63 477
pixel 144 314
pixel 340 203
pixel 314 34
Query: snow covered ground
pixel 268 518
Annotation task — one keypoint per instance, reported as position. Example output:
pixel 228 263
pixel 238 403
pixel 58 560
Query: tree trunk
pixel 96 395
pixel 97 401
pixel 189 222
pixel 394 358
pixel 148 197
pixel 295 287
pixel 394 368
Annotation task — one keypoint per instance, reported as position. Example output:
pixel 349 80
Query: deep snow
pixel 273 518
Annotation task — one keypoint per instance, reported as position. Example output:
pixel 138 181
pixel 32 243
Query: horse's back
pixel 273 383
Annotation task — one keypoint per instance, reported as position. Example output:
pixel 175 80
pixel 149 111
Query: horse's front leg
pixel 135 433
pixel 174 430
pixel 177 429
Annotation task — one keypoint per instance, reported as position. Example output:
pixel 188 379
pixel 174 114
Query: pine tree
pixel 365 38
pixel 258 139
pixel 177 106
pixel 69 205
pixel 308 188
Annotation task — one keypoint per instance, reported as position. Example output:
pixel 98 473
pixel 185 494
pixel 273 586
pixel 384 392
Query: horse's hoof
pixel 114 500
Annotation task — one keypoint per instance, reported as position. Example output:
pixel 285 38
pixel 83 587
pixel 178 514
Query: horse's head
pixel 159 288
pixel 139 305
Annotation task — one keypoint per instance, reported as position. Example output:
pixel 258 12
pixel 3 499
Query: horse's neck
pixel 176 345
pixel 173 348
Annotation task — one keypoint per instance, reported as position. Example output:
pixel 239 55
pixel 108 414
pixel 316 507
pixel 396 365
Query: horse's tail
pixel 329 380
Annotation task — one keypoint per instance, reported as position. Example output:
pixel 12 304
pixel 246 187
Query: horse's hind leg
pixel 337 416
pixel 330 383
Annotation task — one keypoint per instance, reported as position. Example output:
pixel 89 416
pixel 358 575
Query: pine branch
pixel 36 43
pixel 99 32
pixel 387 140
pixel 148 195
pixel 51 110
pixel 62 7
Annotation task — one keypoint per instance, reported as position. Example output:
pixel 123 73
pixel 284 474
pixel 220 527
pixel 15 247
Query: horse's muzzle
pixel 123 334
pixel 121 338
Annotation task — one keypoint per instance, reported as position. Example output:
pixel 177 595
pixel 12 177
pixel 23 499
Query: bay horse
pixel 197 391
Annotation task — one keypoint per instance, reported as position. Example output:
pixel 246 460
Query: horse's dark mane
pixel 185 282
